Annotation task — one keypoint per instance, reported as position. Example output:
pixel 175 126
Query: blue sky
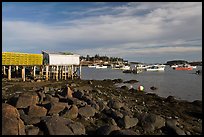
pixel 137 31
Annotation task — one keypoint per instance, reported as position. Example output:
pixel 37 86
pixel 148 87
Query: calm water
pixel 184 85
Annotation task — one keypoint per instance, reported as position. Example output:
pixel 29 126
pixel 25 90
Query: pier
pixel 40 66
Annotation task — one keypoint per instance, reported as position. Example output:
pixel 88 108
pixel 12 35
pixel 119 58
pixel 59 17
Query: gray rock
pixel 115 104
pixel 127 122
pixel 106 129
pixel 171 124
pixel 37 111
pixel 150 122
pixel 87 111
pixel 77 128
pixel 56 107
pixel 27 99
pixel 58 126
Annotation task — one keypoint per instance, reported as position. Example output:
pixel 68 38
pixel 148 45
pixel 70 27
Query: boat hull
pixel 184 68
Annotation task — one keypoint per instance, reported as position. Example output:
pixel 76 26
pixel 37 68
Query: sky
pixel 150 32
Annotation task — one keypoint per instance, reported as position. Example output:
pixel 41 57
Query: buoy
pixel 141 88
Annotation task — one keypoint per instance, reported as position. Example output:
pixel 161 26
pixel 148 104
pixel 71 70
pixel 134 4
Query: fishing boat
pixel 124 67
pixel 156 68
pixel 184 67
pixel 101 66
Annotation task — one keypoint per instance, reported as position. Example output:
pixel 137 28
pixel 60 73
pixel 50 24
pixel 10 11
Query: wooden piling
pixel 16 70
pixel 23 73
pixel 34 67
pixel 57 73
pixel 46 74
pixel 80 71
pixel 72 74
pixel 4 70
pixel 65 72
pixel 9 73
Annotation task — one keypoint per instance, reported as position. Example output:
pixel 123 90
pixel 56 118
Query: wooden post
pixel 47 69
pixel 16 70
pixel 72 72
pixel 65 72
pixel 34 67
pixel 41 71
pixel 4 70
pixel 57 73
pixel 9 73
pixel 80 71
pixel 23 73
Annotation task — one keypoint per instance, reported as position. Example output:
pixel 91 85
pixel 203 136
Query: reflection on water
pixel 185 85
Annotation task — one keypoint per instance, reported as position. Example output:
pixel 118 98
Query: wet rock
pixel 124 132
pixel 58 126
pixel 72 113
pixel 106 129
pixel 78 94
pixel 171 125
pixel 131 81
pixel 150 122
pixel 11 122
pixel 87 111
pixel 77 128
pixel 32 130
pixel 170 99
pixel 37 111
pixel 127 122
pixel 115 104
pixel 153 88
pixel 117 81
pixel 26 99
pixel 124 87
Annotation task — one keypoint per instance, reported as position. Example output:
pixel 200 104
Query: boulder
pixel 37 111
pixel 26 99
pixel 77 128
pixel 11 122
pixel 127 122
pixel 56 107
pixel 171 124
pixel 115 104
pixel 87 111
pixel 106 129
pixel 72 113
pixel 58 126
pixel 150 122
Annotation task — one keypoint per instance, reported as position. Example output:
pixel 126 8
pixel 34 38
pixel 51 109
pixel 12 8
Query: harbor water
pixel 183 85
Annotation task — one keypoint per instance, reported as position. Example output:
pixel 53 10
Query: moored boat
pixel 156 68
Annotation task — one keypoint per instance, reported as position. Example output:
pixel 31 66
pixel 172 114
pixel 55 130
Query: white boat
pixel 194 67
pixel 156 68
pixel 125 67
pixel 141 66
pixel 92 66
pixel 101 66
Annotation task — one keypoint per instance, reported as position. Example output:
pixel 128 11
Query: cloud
pixel 137 28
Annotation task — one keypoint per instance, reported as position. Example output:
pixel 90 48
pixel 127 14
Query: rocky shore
pixel 87 107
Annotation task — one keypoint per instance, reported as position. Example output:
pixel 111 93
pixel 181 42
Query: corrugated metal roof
pixel 59 53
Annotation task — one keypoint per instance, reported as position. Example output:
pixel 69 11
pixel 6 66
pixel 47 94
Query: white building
pixel 60 58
